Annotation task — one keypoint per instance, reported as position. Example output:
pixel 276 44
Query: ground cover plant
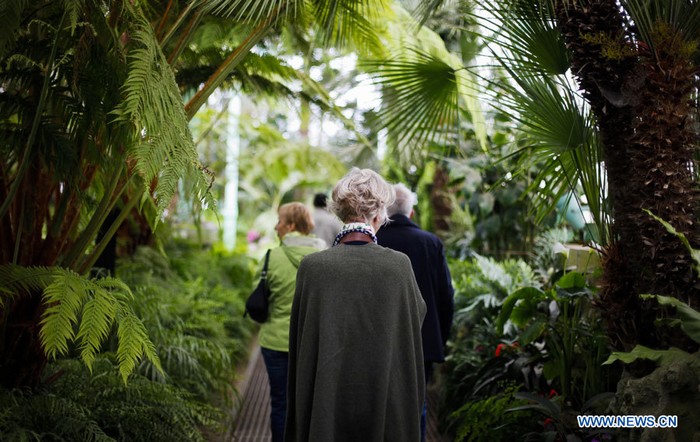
pixel 191 303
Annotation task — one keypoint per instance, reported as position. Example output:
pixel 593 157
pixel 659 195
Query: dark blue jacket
pixel 427 257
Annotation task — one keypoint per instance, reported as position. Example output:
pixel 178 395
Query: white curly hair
pixel 361 195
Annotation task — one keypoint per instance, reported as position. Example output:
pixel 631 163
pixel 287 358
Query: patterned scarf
pixel 355 227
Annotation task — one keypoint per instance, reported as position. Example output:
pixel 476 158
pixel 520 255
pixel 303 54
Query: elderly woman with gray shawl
pixel 355 353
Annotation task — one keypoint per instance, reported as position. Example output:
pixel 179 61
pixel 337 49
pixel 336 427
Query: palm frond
pixel 682 15
pixel 526 35
pixel 426 9
pixel 10 18
pixel 253 11
pixel 349 21
pixel 561 137
pixel 420 96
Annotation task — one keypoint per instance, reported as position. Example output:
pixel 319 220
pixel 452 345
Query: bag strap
pixel 263 274
pixel 284 249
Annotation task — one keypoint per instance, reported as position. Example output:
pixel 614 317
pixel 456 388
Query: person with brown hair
pixel 355 352
pixel 293 229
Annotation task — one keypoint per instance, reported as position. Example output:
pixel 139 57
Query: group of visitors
pixel 359 312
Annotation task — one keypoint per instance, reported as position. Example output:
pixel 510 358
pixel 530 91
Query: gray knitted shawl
pixel 355 354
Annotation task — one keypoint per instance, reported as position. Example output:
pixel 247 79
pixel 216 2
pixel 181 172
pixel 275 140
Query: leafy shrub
pixel 490 419
pixel 99 406
pixel 195 324
pixel 472 369
pixel 195 319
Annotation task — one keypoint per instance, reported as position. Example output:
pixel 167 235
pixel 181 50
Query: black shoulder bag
pixel 258 303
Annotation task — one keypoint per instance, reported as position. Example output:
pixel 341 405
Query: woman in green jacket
pixel 293 228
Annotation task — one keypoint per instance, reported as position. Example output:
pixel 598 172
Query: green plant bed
pixel 525 356
pixel 191 303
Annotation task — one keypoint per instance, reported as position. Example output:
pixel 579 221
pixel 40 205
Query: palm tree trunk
pixel 642 106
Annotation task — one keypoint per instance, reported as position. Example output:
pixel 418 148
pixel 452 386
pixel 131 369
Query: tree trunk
pixel 22 358
pixel 642 106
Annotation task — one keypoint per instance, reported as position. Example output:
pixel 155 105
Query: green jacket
pixel 281 278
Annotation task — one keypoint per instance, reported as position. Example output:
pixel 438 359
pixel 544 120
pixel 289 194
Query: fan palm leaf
pixel 681 16
pixel 424 88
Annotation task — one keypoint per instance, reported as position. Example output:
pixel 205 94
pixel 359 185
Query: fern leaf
pixel 133 343
pixel 10 19
pixel 115 285
pixel 65 297
pixel 98 315
pixel 15 279
pixel 73 8
pixel 153 106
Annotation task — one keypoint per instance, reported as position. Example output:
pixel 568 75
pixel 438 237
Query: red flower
pixel 500 348
pixel 548 422
pixel 552 393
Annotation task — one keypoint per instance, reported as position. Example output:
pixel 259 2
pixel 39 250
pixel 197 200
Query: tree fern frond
pixel 64 297
pixel 115 285
pixel 96 322
pixel 16 279
pixel 154 108
pixel 133 343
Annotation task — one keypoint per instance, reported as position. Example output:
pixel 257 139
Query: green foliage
pixel 510 328
pixel 549 254
pixel 27 416
pixel 419 91
pixel 471 371
pixel 562 319
pixel 152 104
pixel 689 322
pixel 83 310
pixel 694 253
pixel 660 357
pixel 196 321
pixel 280 171
pixel 197 331
pixel 490 419
pixel 560 418
pixel 557 146
pixel 97 406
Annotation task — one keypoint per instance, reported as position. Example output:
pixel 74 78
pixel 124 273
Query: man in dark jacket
pixel 427 256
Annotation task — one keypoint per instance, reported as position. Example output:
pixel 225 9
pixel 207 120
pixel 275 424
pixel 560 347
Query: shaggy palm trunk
pixel 642 105
pixel 440 200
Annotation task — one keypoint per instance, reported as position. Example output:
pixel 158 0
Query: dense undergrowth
pixel 527 351
pixel 191 302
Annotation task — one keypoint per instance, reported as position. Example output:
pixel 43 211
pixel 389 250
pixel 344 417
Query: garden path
pixel 253 420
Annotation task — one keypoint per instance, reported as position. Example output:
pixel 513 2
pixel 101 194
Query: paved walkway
pixel 253 421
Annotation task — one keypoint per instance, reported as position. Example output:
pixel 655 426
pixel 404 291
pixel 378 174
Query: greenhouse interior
pixel 350 220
